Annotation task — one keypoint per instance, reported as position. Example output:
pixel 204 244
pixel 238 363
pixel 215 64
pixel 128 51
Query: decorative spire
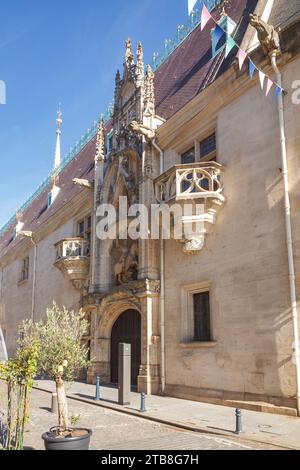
pixel 129 57
pixel 149 99
pixel 100 142
pixel 57 158
pixel 139 71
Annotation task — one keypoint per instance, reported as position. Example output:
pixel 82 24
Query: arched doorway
pixel 127 329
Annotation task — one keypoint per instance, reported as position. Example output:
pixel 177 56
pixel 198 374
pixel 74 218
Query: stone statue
pixel 268 37
pixel 126 266
pixel 140 129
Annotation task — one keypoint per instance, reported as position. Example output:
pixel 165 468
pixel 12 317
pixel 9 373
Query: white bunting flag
pixel 192 3
pixel 261 79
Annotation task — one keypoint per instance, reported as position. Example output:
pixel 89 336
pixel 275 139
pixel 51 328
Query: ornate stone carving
pixel 100 142
pixel 267 35
pixel 126 265
pixel 139 71
pixel 84 183
pixel 149 98
pixel 129 57
pixel 194 245
pixel 140 129
pixel 129 179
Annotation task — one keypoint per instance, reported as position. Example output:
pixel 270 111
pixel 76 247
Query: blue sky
pixel 64 51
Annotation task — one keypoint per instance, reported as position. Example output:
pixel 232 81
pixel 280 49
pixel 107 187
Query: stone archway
pixel 126 329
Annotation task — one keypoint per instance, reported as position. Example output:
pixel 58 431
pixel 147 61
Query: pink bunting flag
pixel 261 79
pixel 242 57
pixel 270 83
pixel 205 17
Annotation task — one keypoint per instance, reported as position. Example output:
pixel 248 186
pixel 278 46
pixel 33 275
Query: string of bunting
pixel 241 55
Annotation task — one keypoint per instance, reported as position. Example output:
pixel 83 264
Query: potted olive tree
pixel 62 355
pixel 17 375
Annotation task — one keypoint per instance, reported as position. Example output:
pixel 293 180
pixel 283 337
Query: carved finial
pixel 118 77
pixel 139 72
pixel 129 57
pixel 267 35
pixel 223 5
pixel 100 142
pixel 57 157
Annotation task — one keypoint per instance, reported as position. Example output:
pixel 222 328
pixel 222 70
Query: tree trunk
pixel 63 414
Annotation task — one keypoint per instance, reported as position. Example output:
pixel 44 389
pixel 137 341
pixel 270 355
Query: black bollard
pixel 238 416
pixel 143 403
pixel 97 398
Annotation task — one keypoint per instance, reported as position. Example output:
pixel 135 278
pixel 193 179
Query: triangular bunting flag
pixel 205 17
pixel 230 44
pixel 218 32
pixel 261 79
pixel 242 57
pixel 252 69
pixel 192 3
pixel 269 86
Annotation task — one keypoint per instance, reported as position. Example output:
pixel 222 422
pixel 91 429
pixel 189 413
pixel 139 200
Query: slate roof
pixel 284 12
pixel 177 81
pixel 82 166
pixel 190 68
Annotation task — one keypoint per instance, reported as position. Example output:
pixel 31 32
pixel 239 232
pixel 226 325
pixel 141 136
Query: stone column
pixel 149 376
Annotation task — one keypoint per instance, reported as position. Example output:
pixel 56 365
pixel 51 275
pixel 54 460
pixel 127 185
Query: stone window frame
pixel 24 271
pixel 187 316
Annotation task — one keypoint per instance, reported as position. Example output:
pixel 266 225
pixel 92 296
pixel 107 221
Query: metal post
pixel 143 403
pixel 124 373
pixel 238 415
pixel 54 404
pixel 97 397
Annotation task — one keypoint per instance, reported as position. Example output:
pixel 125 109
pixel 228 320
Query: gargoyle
pixel 84 183
pixel 140 129
pixel 267 35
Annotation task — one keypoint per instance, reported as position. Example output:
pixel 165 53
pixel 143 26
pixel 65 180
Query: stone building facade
pixel 208 316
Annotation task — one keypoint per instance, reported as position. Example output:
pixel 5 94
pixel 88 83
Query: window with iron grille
pixel 201 307
pixel 25 269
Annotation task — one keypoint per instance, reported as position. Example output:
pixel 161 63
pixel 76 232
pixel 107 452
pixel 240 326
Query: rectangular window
pixel 208 148
pixel 188 157
pixel 201 307
pixel 25 269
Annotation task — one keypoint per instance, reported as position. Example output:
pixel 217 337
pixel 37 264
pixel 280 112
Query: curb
pixel 186 427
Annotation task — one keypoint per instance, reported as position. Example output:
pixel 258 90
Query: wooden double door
pixel 127 329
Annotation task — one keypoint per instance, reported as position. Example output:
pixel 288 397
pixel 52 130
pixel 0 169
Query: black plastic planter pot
pixel 67 443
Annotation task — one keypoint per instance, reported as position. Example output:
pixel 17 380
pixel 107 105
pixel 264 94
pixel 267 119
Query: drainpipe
pixel 289 238
pixel 30 235
pixel 2 341
pixel 33 281
pixel 162 289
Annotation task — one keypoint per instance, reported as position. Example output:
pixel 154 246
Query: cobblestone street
pixel 115 431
